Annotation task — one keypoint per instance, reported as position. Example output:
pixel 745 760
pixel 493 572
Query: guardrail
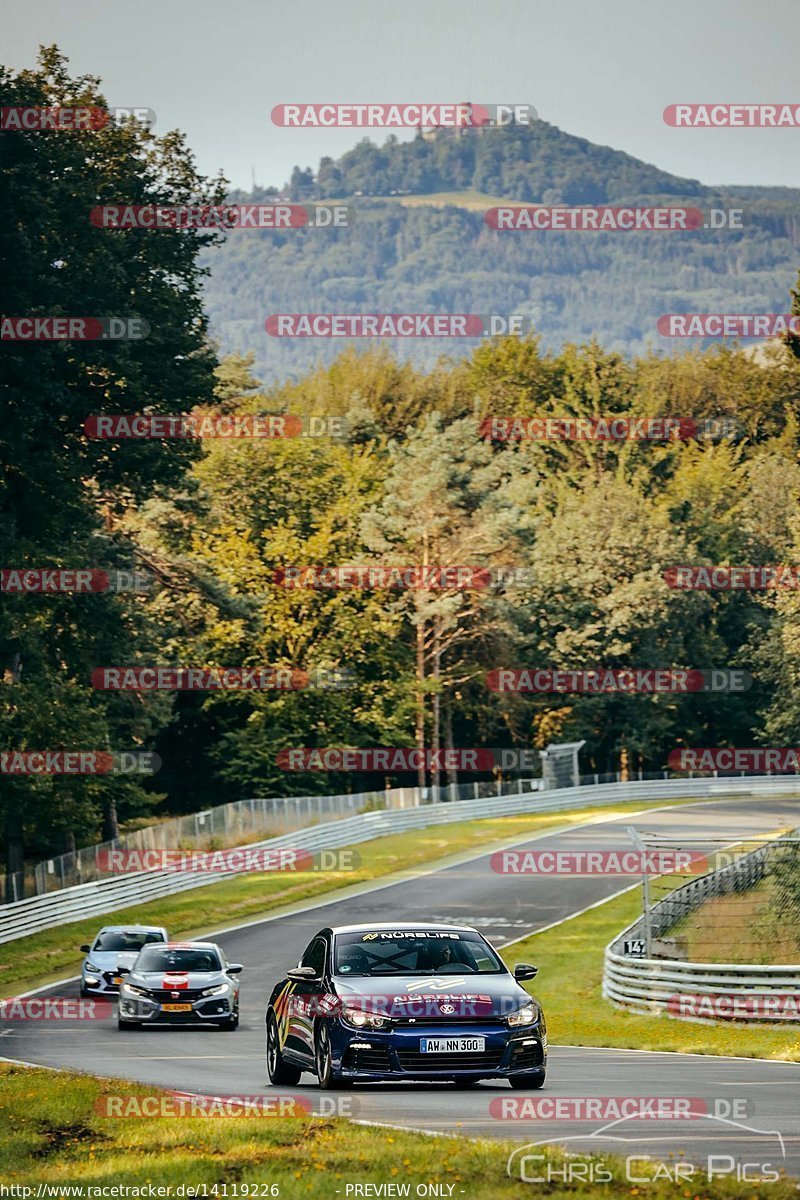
pixel 700 990
pixel 107 895
pixel 241 821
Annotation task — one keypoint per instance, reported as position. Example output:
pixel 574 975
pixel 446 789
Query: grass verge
pixel 570 961
pixel 52 1138
pixel 44 957
pixel 741 927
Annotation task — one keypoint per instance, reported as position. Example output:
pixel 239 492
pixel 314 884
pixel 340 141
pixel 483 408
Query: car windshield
pixel 160 958
pixel 415 952
pixel 121 940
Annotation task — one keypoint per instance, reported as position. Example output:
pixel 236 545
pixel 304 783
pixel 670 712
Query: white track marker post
pixel 638 842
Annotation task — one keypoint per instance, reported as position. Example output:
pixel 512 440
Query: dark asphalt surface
pixel 758 1097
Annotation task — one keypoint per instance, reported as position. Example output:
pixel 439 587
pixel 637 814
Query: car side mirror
pixel 234 968
pixel 524 971
pixel 298 974
pixel 84 949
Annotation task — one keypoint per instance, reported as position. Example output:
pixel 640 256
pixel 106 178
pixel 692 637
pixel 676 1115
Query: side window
pixel 315 956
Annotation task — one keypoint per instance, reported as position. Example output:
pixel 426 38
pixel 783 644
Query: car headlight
pixel 91 969
pixel 527 1015
pixel 128 989
pixel 359 1018
pixel 219 990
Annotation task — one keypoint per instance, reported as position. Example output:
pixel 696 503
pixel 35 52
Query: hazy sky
pixel 603 69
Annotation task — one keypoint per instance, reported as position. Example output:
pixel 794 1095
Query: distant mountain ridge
pixel 403 254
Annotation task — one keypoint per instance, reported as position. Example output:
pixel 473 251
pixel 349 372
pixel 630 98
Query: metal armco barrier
pixel 702 991
pixel 107 895
pixel 693 991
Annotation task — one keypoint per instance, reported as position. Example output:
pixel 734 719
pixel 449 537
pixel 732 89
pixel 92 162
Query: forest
pixel 397 468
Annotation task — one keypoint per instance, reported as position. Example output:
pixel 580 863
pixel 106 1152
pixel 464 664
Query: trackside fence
pixel 105 895
pixel 646 971
pixel 240 823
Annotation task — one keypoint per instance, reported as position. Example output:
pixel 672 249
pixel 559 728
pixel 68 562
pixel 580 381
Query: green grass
pixel 740 927
pixel 52 1135
pixel 470 199
pixel 44 957
pixel 570 961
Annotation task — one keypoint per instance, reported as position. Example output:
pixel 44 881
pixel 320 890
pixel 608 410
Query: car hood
pixel 108 959
pixel 433 995
pixel 176 980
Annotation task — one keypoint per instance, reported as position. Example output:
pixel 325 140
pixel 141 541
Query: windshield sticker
pixel 386 935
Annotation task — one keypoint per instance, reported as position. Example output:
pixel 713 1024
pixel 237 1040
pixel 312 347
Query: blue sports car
pixel 393 1002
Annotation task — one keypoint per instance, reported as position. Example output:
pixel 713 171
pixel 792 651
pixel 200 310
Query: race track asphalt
pixel 752 1106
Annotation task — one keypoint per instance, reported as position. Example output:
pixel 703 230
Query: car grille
pixel 374 1059
pixel 109 977
pixel 184 995
pixel 486 1060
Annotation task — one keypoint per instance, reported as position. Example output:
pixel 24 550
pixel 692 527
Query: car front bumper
pixel 153 1012
pixel 396 1053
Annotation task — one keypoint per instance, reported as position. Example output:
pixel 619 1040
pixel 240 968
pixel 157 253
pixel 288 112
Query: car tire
pixel 279 1071
pixel 532 1082
pixel 323 1061
pixel 123 1024
pixel 231 1024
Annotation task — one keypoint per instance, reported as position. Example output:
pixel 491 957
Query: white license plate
pixel 456 1045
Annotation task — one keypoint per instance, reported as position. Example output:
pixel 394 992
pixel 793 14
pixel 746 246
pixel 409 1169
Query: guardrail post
pixel 639 843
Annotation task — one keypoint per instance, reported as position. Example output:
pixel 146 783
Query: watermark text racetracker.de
pixel 733 325
pixel 73 329
pixel 70 119
pixel 434 577
pixel 750 760
pixel 29 581
pixel 720 1006
pixel 398 325
pixel 205 424
pixel 733 579
pixel 732 116
pixel 608 680
pixel 222 217
pixel 237 860
pixel 78 762
pixel 405 758
pixel 219 679
pixel 605 428
pixel 614 1108
pixel 279 1106
pixel 54 1008
pixel 588 218
pixel 598 862
pixel 414 115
